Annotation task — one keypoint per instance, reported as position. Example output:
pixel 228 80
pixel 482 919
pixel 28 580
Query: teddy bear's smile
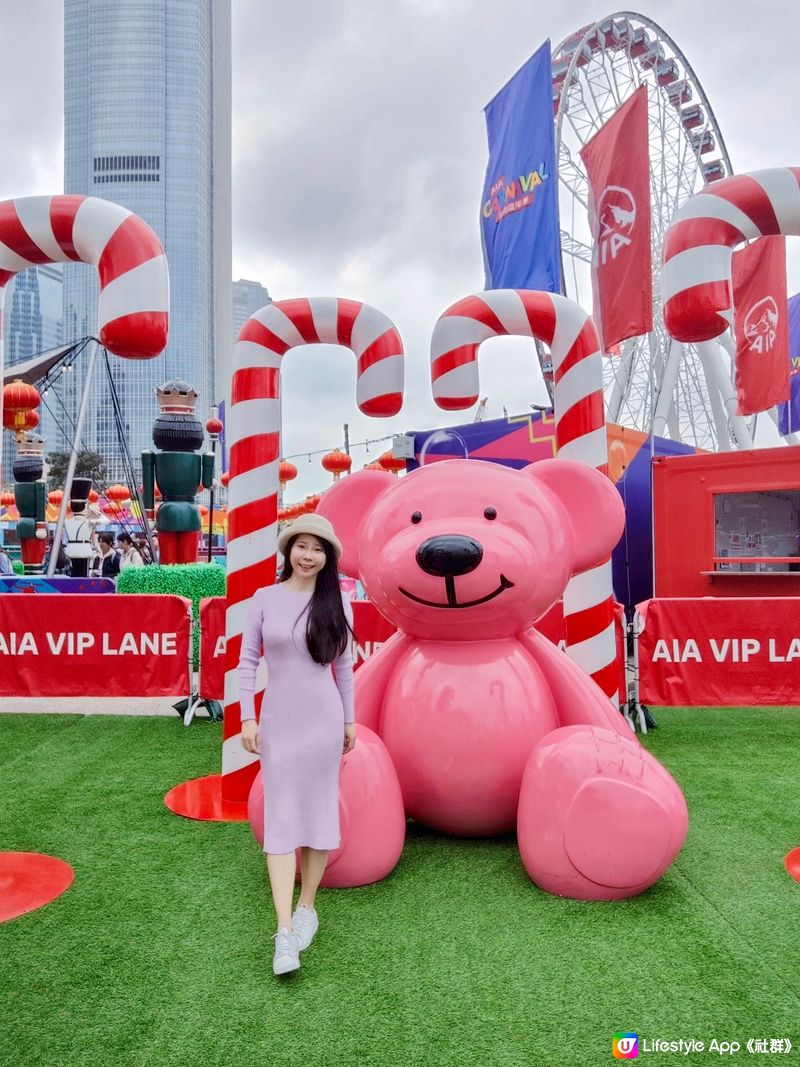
pixel 452 601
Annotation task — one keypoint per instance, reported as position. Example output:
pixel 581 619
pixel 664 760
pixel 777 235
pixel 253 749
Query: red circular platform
pixel 201 798
pixel 792 863
pixel 29 880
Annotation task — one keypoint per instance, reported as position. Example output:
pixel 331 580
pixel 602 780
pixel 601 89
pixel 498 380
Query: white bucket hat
pixel 317 526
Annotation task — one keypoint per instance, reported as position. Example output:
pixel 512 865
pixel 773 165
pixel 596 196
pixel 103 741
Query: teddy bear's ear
pixel 594 507
pixel 346 505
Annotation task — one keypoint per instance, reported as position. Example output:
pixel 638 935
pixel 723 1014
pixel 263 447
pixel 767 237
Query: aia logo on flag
pixel 617 165
pixel 616 217
pixel 761 325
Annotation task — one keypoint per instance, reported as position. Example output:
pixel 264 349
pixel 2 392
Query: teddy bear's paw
pixel 599 818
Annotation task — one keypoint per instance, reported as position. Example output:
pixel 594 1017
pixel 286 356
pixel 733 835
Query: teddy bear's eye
pixel 416 517
pixel 490 513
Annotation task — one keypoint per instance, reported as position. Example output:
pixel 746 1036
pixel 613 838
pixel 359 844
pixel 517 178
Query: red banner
pixel 761 325
pixel 94 645
pixel 727 652
pixel 371 630
pixel 369 626
pixel 618 168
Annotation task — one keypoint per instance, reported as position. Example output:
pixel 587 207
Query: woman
pixel 305 625
pixel 129 553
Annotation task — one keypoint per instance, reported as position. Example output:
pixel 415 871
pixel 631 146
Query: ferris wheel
pixel 655 384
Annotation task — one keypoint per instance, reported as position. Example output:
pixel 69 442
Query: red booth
pixel 727 524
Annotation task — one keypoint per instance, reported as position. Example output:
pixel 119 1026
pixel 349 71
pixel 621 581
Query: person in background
pixel 109 557
pixel 6 567
pixel 62 562
pixel 144 548
pixel 130 556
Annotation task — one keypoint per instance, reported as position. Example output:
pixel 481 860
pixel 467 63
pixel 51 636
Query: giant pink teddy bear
pixel 488 725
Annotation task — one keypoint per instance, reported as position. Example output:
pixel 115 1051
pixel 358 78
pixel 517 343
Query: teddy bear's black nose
pixel 449 555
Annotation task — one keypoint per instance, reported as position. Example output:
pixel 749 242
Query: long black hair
pixel 327 628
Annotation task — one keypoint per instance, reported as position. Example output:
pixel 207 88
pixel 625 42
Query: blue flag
pixel 519 211
pixel 789 413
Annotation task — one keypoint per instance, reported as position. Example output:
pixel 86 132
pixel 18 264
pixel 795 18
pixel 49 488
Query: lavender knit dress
pixel 301 729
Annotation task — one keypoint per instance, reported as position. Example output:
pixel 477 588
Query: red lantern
pixel 94 496
pixel 19 396
pixel 336 463
pixel 110 509
pixel 203 510
pixel 389 463
pixel 287 472
pixel 375 466
pixel 118 493
pixel 224 478
pixel 214 427
pixel 282 516
pixel 7 499
pixel 56 496
pixel 20 421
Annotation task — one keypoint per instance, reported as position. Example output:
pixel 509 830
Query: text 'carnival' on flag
pixel 761 325
pixel 789 414
pixel 519 213
pixel 617 165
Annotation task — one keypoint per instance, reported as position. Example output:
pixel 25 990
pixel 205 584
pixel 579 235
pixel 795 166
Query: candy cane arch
pixel 580 426
pixel 253 436
pixel 696 286
pixel 133 305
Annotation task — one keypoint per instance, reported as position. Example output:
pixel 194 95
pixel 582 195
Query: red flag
pixel 617 164
pixel 761 325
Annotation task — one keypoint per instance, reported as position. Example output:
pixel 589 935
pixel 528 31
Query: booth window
pixel 757 532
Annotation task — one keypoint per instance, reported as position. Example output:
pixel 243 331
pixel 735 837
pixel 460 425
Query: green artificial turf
pixel 160 952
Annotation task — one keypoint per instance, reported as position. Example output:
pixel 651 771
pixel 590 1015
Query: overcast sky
pixel 359 151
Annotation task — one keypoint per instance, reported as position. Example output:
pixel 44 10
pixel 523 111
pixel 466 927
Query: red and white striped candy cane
pixel 580 426
pixel 253 437
pixel 133 306
pixel 696 287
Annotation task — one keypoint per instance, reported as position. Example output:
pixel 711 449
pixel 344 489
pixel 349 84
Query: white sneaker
pixel 287 952
pixel 305 924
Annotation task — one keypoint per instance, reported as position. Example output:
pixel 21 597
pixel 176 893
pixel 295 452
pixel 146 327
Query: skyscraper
pixel 33 323
pixel 248 297
pixel 147 124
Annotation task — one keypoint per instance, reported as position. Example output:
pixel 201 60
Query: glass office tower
pixel 248 297
pixel 147 124
pixel 33 324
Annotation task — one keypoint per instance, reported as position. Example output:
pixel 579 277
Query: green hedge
pixel 192 580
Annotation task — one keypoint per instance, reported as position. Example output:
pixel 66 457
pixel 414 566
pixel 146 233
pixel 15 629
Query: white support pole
pixel 621 379
pixel 667 389
pixel 724 442
pixel 710 355
pixel 73 462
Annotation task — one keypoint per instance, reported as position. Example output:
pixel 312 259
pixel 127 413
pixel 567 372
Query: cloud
pixel 360 149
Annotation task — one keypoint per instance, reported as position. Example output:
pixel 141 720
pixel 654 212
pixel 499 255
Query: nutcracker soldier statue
pixel 30 497
pixel 177 469
pixel 79 529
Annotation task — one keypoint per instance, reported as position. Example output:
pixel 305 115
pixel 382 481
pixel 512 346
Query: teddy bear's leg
pixel 371 816
pixel 599 818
